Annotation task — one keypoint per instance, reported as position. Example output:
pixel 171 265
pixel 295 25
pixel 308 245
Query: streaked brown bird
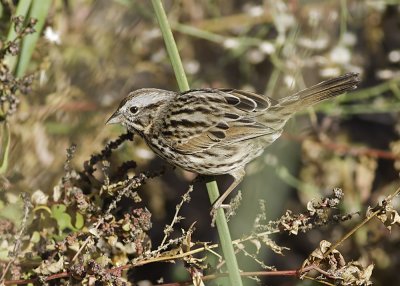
pixel 216 131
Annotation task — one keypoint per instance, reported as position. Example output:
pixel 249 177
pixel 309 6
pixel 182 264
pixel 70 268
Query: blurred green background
pixel 92 53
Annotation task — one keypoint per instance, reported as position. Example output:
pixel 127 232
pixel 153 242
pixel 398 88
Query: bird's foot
pixel 214 209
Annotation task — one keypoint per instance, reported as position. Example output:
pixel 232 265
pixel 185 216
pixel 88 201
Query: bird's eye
pixel 134 109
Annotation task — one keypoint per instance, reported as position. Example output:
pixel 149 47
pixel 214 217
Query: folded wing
pixel 200 119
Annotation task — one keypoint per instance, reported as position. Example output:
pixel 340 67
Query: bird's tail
pixel 319 92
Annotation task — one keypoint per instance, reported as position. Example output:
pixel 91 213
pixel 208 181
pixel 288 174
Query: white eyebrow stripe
pixel 147 99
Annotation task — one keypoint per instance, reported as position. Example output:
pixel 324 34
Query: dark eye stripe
pixel 153 106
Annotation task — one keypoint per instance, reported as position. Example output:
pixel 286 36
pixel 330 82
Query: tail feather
pixel 319 92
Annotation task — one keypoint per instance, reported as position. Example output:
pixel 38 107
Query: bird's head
pixel 138 110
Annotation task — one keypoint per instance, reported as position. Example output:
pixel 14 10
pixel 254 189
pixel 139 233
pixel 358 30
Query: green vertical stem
pixel 4 147
pixel 222 225
pixel 171 45
pixel 225 237
pixel 10 61
pixel 39 11
pixel 22 10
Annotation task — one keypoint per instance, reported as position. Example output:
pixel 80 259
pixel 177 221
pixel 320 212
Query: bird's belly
pixel 213 161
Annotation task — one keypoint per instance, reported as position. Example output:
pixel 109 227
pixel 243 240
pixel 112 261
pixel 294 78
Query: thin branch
pixel 168 228
pixel 357 227
pixel 18 242
pixel 290 273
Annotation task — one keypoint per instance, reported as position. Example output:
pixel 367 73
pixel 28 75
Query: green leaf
pixel 35 238
pixel 63 219
pixel 4 147
pixel 79 220
pixel 12 211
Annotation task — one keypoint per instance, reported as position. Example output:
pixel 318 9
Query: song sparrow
pixel 216 131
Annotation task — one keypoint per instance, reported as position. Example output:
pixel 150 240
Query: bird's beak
pixel 115 118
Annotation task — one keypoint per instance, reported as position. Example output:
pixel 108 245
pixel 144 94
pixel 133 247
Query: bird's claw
pixel 214 209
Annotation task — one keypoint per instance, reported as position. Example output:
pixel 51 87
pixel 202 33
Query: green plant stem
pixel 4 147
pixel 39 11
pixel 222 225
pixel 22 10
pixel 171 45
pixel 225 237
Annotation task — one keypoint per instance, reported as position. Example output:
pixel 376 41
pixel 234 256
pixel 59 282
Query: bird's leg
pixel 238 176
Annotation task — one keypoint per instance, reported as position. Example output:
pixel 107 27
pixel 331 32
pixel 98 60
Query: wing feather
pixel 213 117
